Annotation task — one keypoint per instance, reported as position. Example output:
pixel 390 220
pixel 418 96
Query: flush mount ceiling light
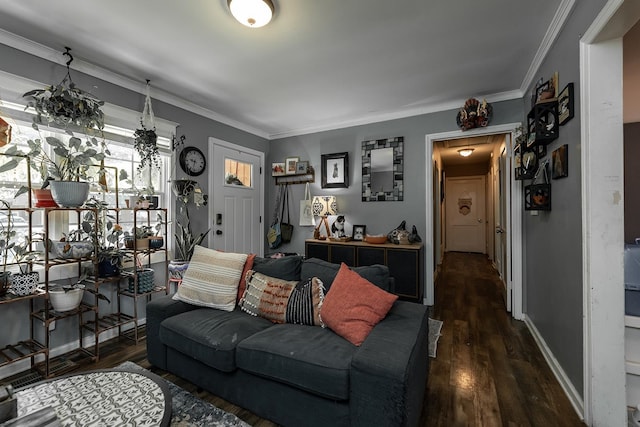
pixel 465 152
pixel 252 13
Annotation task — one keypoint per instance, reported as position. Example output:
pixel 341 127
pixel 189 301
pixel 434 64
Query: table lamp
pixel 323 206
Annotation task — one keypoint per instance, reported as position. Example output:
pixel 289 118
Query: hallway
pixel 488 370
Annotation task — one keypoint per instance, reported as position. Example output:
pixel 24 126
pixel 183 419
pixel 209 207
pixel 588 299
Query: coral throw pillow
pixel 353 306
pixel 212 279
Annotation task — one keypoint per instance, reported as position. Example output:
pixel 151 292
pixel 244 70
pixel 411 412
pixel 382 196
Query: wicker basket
pixel 145 281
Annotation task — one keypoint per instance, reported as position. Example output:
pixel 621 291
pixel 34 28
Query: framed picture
pixel 301 167
pixel 537 197
pixel 335 170
pixel 290 165
pixel 560 162
pixel 277 169
pixel 383 170
pixel 565 104
pixel 359 232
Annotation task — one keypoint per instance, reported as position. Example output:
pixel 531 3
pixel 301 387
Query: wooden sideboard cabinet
pixel 405 262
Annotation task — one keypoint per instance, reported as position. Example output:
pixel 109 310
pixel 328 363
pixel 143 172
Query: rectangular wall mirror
pixel 383 170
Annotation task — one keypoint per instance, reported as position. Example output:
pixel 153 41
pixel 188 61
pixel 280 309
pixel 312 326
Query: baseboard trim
pixel 574 397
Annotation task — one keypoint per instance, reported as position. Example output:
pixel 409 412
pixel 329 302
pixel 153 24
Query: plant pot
pixel 183 187
pixel 145 281
pixel 177 269
pixel 5 282
pixel 65 300
pixel 107 269
pixel 44 199
pixel 69 194
pixel 66 250
pixel 24 283
pixel 156 242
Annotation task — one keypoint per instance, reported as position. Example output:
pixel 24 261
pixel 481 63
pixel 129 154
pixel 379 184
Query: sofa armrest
pixel 389 371
pixel 159 309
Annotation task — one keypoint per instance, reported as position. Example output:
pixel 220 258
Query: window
pixel 237 173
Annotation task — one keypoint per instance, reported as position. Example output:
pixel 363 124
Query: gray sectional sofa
pixel 298 375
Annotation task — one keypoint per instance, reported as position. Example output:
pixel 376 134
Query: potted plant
pixel 185 243
pixel 67 296
pixel 65 104
pixel 156 241
pixel 25 282
pixel 105 235
pixel 140 235
pixel 145 138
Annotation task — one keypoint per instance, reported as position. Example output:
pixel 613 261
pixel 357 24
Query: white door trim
pixel 514 230
pixel 215 141
pixel 602 213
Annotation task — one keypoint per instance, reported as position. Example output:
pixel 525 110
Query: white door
pixel 465 214
pixel 237 198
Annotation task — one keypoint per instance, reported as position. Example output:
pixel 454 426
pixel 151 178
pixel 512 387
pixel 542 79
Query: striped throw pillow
pixel 212 279
pixel 283 301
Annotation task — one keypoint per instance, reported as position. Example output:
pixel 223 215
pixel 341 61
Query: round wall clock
pixel 192 161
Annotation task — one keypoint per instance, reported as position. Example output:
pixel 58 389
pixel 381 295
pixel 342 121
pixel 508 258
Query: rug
pixel 435 326
pixel 189 411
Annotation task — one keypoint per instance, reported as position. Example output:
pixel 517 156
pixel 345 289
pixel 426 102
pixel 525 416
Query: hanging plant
pixel 145 138
pixel 65 104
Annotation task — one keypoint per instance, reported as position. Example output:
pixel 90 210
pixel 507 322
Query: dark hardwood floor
pixel 488 370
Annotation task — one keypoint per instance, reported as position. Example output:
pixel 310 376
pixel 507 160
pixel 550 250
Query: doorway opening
pixel 500 221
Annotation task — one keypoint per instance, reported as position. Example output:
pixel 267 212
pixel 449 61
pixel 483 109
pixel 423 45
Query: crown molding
pixel 562 13
pixel 79 65
pixel 375 118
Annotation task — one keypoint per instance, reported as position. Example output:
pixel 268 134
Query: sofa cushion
pixel 283 301
pixel 309 358
pixel 212 279
pixel 210 336
pixel 353 306
pixel 326 272
pixel 285 268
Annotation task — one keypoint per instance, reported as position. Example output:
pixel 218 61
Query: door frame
pixel 601 63
pixel 514 219
pixel 210 212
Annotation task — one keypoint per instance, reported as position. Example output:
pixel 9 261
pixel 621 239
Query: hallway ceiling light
pixel 252 13
pixel 465 152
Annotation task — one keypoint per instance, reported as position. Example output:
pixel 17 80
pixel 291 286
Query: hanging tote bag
pixel 274 235
pixel 306 213
pixel 286 228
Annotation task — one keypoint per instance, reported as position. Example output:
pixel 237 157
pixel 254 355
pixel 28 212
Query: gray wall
pixel 553 252
pixel 379 217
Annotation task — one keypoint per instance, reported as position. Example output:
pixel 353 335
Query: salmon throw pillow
pixel 353 306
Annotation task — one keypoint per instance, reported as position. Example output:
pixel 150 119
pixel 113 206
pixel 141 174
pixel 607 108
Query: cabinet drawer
pixel 346 254
pixel 317 251
pixel 370 256
pixel 403 265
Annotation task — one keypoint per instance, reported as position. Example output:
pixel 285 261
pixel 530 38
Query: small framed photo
pixel 358 232
pixel 277 169
pixel 290 165
pixel 301 167
pixel 335 170
pixel 565 104
pixel 560 162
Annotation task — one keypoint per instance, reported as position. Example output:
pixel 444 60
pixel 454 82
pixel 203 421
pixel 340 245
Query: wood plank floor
pixel 488 370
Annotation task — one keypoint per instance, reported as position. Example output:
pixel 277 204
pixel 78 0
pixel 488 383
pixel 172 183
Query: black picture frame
pixel 537 197
pixel 358 233
pixel 335 170
pixel 565 104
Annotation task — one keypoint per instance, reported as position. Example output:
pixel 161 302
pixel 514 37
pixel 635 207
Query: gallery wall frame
pixel 565 104
pixel 383 170
pixel 560 162
pixel 335 170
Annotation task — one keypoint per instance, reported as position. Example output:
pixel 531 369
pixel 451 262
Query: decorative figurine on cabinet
pixel 337 228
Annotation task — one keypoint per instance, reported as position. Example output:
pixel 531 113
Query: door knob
pixel 218 232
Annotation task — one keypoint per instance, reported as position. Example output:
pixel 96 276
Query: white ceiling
pixel 318 65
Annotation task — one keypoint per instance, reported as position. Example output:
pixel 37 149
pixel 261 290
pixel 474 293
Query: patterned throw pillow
pixel 283 301
pixel 212 279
